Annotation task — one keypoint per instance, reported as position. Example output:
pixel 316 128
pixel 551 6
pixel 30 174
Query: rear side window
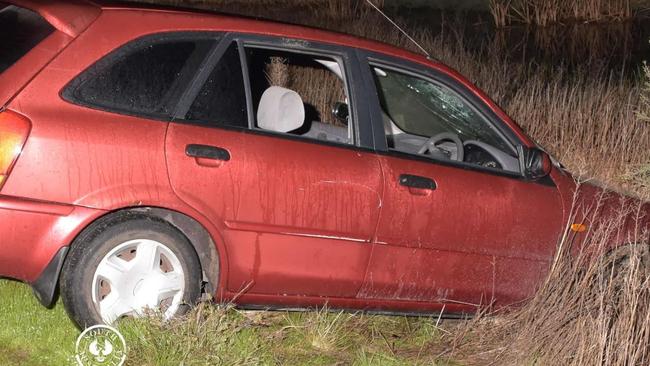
pixel 20 31
pixel 144 78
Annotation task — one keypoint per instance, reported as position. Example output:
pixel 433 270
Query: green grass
pixel 212 335
pixel 31 334
pixel 225 336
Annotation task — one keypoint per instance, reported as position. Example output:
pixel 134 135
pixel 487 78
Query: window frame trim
pixel 201 76
pixel 360 122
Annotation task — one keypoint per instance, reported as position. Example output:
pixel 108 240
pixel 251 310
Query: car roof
pixel 73 16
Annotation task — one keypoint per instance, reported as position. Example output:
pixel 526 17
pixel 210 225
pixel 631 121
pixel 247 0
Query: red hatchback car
pixel 153 157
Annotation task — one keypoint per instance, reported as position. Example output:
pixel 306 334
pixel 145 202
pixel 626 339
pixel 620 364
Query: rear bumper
pixel 32 235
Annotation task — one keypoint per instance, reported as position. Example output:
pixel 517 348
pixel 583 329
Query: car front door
pixel 459 225
pixel 260 154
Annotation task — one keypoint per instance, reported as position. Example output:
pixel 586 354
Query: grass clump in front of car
pixel 225 336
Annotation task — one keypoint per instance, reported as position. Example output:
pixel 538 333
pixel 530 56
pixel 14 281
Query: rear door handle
pixel 207 152
pixel 417 182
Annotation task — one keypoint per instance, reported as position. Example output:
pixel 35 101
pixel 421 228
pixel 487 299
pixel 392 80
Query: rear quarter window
pixel 145 77
pixel 20 31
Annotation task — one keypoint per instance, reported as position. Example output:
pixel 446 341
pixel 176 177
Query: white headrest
pixel 280 110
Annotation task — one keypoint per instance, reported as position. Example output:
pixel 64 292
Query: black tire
pixel 95 243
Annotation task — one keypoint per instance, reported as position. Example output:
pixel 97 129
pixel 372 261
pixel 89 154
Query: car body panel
pixel 33 231
pixel 287 265
pixel 286 227
pixel 592 205
pixel 323 199
pixel 91 160
pixel 296 223
pixel 431 276
pixel 87 159
pixel 15 77
pixel 461 241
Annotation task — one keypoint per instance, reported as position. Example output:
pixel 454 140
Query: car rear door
pixel 458 232
pixel 297 214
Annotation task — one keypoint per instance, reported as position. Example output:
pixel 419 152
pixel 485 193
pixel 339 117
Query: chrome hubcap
pixel 138 276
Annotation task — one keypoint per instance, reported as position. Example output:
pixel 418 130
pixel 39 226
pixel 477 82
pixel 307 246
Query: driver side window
pixel 427 118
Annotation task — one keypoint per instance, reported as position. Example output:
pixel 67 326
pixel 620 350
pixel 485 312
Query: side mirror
pixel 534 163
pixel 341 111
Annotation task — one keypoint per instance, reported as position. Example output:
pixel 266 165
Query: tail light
pixel 14 129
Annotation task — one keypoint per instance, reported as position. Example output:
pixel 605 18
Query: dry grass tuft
pixel 277 72
pixel 215 335
pixel 643 110
pixel 324 331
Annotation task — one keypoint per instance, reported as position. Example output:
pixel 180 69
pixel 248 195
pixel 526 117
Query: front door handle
pixel 416 183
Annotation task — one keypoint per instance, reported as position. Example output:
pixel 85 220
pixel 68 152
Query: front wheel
pixel 628 265
pixel 129 266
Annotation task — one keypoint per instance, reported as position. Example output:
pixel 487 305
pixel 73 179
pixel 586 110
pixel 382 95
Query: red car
pixel 153 157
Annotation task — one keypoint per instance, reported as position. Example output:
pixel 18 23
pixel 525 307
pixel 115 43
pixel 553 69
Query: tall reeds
pixel 547 12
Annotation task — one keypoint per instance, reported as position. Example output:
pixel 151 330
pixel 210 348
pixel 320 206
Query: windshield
pixel 421 107
pixel 20 31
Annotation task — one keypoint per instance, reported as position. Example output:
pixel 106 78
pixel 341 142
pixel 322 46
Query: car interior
pixel 425 118
pixel 299 94
pixel 305 95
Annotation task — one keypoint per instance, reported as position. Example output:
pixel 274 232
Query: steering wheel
pixel 430 146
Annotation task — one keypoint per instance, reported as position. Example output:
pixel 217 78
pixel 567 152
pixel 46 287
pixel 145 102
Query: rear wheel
pixel 129 266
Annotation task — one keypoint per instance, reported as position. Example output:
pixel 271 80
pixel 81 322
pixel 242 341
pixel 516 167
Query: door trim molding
pixel 287 230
